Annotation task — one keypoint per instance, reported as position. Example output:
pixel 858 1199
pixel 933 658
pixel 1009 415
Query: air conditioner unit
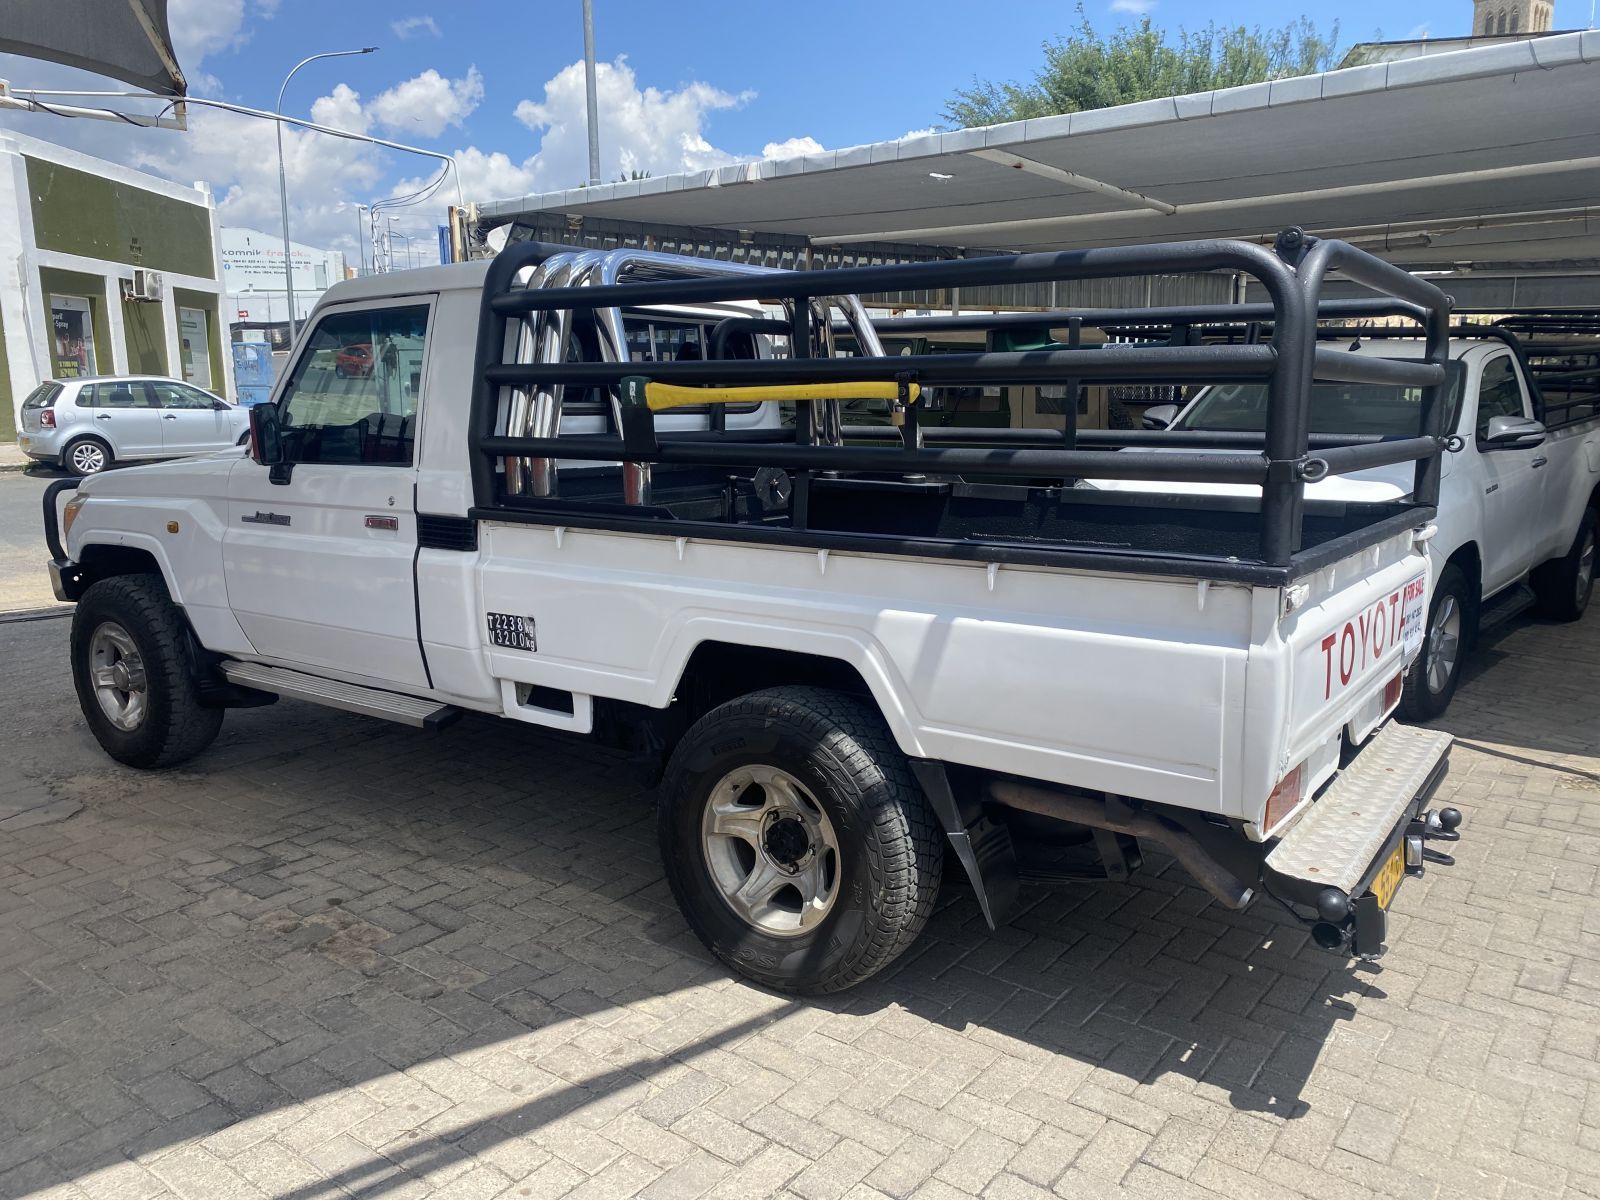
pixel 145 285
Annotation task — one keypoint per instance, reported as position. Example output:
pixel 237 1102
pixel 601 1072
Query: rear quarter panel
pixel 1318 671
pixel 1104 681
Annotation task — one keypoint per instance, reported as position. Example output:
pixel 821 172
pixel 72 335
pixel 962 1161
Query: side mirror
pixel 220 405
pixel 1513 433
pixel 1160 416
pixel 266 435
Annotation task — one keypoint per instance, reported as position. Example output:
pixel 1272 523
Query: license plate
pixel 1387 881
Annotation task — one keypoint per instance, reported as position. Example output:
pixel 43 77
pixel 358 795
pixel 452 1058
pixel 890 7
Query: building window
pixel 1516 19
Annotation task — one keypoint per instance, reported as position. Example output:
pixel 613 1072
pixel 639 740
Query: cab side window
pixel 172 395
pixel 1499 393
pixel 355 389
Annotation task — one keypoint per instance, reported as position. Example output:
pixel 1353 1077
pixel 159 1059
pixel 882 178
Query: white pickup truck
pixel 561 495
pixel 1518 492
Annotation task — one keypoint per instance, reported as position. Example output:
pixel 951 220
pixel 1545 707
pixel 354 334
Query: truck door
pixel 320 551
pixel 1512 479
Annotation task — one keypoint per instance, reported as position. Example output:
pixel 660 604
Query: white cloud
pixel 428 103
pixel 1418 32
pixel 341 109
pixel 202 27
pixel 409 27
pixel 795 147
pixel 925 131
pixel 1137 8
pixel 641 129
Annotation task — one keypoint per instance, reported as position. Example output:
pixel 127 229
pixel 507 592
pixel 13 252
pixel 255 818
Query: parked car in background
pixel 1519 497
pixel 354 361
pixel 85 425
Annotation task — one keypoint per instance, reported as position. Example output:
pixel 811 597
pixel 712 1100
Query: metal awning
pixel 1485 155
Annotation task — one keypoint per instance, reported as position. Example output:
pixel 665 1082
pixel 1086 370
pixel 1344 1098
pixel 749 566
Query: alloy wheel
pixel 120 683
pixel 771 850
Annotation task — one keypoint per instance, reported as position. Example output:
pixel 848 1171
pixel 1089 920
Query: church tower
pixel 1490 17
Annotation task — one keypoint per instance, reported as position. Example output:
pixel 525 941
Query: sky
pixel 682 87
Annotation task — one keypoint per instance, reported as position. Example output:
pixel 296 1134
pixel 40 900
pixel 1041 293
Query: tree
pixel 1088 69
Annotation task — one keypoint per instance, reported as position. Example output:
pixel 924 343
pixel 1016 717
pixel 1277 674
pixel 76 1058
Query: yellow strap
pixel 661 396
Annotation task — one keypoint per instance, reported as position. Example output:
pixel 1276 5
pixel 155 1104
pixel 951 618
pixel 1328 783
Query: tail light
pixel 47 418
pixel 1391 691
pixel 1284 799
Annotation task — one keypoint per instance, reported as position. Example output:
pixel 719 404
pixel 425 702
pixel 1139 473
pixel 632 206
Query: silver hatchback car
pixel 84 425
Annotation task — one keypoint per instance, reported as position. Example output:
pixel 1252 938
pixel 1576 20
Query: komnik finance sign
pixel 253 262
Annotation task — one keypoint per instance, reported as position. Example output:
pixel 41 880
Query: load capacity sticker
pixel 1348 653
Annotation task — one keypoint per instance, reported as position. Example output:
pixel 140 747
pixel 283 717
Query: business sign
pixel 194 346
pixel 72 331
pixel 253 262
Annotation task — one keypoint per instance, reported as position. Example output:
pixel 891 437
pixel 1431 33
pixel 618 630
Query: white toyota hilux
pixel 607 492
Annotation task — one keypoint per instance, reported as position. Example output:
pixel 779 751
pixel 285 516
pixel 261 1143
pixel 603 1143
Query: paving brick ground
pixel 333 957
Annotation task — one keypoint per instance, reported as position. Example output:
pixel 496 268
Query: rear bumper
pixel 1341 860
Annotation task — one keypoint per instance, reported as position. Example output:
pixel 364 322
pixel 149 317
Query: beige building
pixel 1493 17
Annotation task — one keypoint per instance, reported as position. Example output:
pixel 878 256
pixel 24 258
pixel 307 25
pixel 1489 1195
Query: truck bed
pixel 1217 537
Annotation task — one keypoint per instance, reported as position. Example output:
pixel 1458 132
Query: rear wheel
pixel 86 456
pixel 1434 675
pixel 134 670
pixel 798 845
pixel 1564 585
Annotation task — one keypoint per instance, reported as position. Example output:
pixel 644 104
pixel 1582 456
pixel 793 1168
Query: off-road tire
pixel 175 726
pixel 72 468
pixel 1562 588
pixel 891 851
pixel 1418 701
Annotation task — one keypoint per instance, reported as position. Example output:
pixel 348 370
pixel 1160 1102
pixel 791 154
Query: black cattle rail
pixel 1279 462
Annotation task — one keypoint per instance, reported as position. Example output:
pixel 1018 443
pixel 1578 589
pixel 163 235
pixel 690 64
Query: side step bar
pixel 351 697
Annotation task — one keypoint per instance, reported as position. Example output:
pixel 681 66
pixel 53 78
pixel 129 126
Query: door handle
pixel 169 416
pixel 1539 462
pixel 102 416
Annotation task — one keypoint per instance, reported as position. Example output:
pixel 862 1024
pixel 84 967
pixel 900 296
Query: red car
pixel 355 360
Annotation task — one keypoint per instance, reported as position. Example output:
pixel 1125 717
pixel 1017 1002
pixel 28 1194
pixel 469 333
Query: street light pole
pixel 589 87
pixel 283 179
pixel 361 248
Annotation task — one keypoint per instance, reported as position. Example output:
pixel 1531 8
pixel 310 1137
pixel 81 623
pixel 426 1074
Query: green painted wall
pixel 144 328
pixel 187 299
pixel 92 288
pixel 75 212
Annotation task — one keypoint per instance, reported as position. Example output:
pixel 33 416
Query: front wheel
pixel 1563 585
pixel 133 667
pixel 798 845
pixel 1434 675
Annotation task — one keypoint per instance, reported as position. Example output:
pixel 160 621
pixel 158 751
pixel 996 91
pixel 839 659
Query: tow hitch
pixel 1358 923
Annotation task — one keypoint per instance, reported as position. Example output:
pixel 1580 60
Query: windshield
pixel 1335 407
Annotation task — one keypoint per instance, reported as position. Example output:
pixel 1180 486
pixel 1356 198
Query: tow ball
pixel 1357 925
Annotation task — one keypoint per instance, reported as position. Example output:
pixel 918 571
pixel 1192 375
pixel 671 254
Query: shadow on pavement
pixel 321 902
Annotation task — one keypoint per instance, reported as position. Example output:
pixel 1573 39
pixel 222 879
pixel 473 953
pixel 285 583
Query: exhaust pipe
pixel 1220 882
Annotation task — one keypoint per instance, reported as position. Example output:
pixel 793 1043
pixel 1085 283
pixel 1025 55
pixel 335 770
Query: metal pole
pixel 589 87
pixel 361 249
pixel 283 179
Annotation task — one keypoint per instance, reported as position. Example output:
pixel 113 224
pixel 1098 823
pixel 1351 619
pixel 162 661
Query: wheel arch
pixel 130 555
pixel 717 668
pixel 1469 561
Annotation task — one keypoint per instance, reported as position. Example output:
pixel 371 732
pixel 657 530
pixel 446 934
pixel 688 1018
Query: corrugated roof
pixel 1488 153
